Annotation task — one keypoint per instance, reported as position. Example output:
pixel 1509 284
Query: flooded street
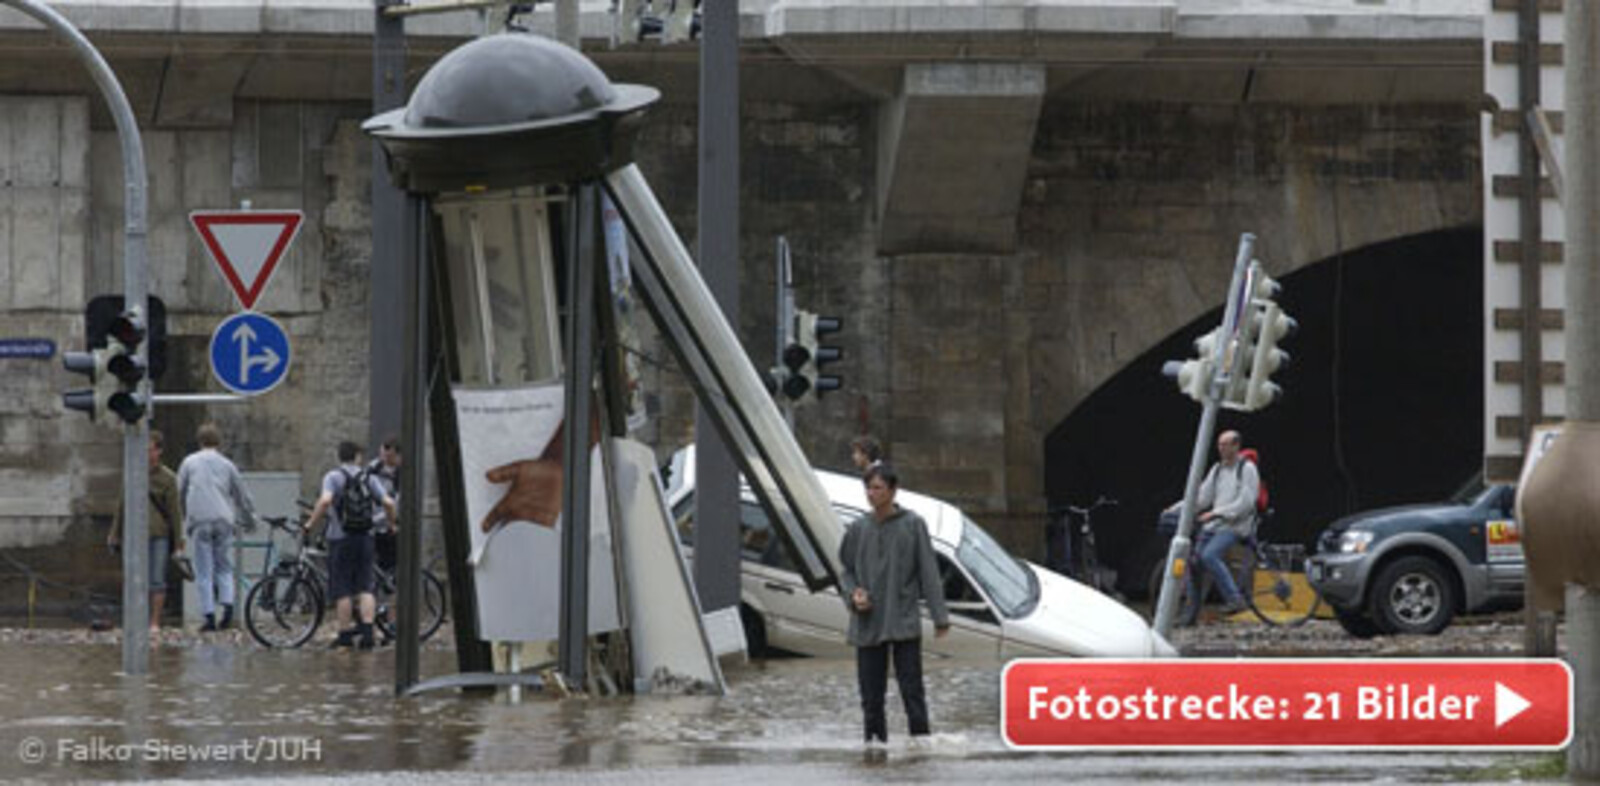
pixel 273 715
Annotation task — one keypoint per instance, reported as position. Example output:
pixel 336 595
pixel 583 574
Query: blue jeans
pixel 213 564
pixel 1213 547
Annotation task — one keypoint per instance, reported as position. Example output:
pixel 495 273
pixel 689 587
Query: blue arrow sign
pixel 249 353
pixel 33 348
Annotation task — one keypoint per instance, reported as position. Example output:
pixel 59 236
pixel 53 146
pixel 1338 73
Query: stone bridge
pixel 1009 202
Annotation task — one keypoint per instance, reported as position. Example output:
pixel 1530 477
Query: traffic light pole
pixel 135 285
pixel 1166 606
pixel 785 331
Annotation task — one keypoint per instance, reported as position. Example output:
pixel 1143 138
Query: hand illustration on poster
pixel 534 493
pixel 514 514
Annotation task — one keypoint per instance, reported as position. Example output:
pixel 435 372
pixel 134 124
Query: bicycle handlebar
pixel 1102 502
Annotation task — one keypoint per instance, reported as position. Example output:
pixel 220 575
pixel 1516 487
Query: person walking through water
pixel 215 502
pixel 887 570
pixel 165 535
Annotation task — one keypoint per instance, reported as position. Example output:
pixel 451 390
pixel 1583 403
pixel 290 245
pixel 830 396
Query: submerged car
pixel 1413 569
pixel 1000 606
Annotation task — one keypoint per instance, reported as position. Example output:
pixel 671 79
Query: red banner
pixel 1287 703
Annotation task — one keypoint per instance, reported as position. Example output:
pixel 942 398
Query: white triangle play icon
pixel 1507 704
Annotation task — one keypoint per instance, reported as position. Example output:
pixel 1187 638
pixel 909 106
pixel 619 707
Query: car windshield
pixel 1011 587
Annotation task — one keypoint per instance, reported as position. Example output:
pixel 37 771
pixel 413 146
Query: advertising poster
pixel 512 472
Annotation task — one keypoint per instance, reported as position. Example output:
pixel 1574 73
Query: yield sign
pixel 246 245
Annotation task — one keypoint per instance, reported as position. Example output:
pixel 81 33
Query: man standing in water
pixel 888 568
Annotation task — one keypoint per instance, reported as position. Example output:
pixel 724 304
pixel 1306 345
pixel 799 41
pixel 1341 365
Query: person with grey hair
pixel 215 504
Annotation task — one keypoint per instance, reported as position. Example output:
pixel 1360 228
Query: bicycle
pixel 1265 578
pixel 386 592
pixel 284 609
pixel 1086 568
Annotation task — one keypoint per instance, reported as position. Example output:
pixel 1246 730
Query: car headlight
pixel 1355 541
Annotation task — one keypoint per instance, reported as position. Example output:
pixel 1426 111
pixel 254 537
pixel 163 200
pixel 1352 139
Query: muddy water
pixel 236 711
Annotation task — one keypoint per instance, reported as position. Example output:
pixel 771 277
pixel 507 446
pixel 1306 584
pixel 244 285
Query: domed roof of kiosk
pixel 513 80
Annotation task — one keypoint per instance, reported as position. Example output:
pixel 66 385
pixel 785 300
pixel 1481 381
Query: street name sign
pixel 247 245
pixel 32 348
pixel 249 353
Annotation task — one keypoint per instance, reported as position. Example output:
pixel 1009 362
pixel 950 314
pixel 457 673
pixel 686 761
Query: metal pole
pixel 1166 606
pixel 785 329
pixel 135 285
pixel 716 544
pixel 567 28
pixel 581 262
pixel 392 232
pixel 1581 269
pixel 414 403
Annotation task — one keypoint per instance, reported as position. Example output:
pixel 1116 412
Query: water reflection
pixel 782 720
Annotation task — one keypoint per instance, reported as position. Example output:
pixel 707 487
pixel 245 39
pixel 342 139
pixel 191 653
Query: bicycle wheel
pixel 432 609
pixel 1281 597
pixel 283 611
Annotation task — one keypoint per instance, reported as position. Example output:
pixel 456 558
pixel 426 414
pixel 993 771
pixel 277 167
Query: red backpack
pixel 1263 501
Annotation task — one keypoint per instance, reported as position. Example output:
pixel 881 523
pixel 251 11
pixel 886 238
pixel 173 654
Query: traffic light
pixel 804 357
pixel 1263 325
pixel 1275 326
pixel 1194 375
pixel 812 330
pixel 794 382
pixel 116 371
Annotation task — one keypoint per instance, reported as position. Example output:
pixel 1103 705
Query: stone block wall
pixel 959 364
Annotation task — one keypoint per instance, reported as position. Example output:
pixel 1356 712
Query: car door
pixel 974 626
pixel 796 618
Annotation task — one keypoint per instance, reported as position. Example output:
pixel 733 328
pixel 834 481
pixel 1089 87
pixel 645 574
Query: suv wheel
pixel 1413 595
pixel 1356 623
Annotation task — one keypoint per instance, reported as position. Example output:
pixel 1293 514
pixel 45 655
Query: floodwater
pixel 232 710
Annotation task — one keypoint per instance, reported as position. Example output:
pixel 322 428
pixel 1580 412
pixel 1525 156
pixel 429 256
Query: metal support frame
pixel 135 288
pixel 727 385
pixel 579 350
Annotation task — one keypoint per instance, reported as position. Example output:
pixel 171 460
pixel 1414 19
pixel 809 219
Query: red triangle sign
pixel 246 245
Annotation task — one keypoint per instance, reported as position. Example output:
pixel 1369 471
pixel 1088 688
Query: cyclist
pixel 350 544
pixel 1227 505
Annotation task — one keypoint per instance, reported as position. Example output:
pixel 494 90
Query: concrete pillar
pixel 934 194
pixel 1580 199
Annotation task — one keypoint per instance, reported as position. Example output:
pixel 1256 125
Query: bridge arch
pixel 1383 403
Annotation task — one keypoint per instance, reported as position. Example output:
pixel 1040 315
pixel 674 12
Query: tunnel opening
pixel 1382 405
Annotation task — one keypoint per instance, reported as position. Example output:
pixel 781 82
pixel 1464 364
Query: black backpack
pixel 355 502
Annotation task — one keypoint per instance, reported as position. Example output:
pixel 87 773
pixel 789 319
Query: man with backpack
pixel 351 497
pixel 1227 502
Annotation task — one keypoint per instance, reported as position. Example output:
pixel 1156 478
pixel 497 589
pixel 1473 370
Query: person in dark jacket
pixel 888 570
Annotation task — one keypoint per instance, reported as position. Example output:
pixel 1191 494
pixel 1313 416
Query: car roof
pixel 944 521
pixel 846 491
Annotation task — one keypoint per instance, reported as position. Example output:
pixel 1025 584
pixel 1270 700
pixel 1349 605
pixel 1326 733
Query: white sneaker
pixel 920 743
pixel 875 745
